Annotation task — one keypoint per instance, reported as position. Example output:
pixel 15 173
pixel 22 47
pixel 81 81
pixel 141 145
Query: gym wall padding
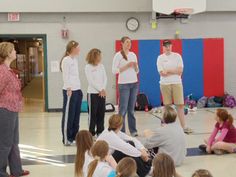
pixel 193 67
pixel 149 77
pixel 213 67
pixel 203 66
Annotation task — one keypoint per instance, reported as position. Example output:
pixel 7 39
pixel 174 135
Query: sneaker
pixel 24 173
pixel 203 148
pixel 94 138
pixel 188 130
pixel 68 143
pixel 135 134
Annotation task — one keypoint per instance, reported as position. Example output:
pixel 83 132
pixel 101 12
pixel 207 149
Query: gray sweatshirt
pixel 171 140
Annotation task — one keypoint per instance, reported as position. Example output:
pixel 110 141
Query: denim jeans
pixel 128 95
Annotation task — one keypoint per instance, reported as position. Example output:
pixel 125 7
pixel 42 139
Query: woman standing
pixel 125 65
pixel 97 81
pixel 10 105
pixel 72 94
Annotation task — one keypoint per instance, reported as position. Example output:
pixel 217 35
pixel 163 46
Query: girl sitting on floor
pixel 126 168
pixel 163 166
pixel 122 145
pixel 226 141
pixel 101 166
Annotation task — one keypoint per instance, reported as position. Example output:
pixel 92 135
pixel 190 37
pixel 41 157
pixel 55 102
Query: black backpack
pixel 142 103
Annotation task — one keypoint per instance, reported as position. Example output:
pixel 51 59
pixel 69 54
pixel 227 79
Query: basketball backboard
pixel 179 6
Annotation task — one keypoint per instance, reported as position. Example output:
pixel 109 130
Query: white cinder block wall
pixel 102 29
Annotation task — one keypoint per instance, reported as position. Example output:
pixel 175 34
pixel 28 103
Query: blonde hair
pixel 126 167
pixel 99 152
pixel 169 115
pixel 5 49
pixel 93 55
pixel 84 142
pixel 69 47
pixel 202 173
pixel 115 122
pixel 163 166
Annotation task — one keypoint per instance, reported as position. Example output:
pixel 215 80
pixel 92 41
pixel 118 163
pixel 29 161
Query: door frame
pixel 45 74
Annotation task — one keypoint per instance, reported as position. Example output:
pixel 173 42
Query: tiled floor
pixel 40 140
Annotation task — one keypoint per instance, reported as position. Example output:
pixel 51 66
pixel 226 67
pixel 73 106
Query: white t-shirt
pixel 87 161
pixel 70 73
pixel 103 169
pixel 97 78
pixel 128 76
pixel 118 141
pixel 172 61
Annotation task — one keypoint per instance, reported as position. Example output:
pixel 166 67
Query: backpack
pixel 212 104
pixel 229 101
pixel 142 103
pixel 110 107
pixel 202 102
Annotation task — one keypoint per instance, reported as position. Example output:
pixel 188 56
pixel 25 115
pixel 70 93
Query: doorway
pixel 31 67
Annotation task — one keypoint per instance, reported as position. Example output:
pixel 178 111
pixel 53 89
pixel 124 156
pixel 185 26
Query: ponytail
pixel 230 119
pixel 122 52
pixel 92 167
pixel 65 55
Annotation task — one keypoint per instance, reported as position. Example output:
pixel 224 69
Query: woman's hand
pixel 69 92
pixel 144 155
pixel 102 93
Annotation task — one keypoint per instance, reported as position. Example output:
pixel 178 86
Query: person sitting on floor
pixel 202 173
pixel 122 145
pixel 226 141
pixel 125 168
pixel 163 166
pixel 101 166
pixel 169 138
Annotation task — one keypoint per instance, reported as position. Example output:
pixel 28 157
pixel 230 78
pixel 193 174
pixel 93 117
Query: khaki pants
pixel 172 92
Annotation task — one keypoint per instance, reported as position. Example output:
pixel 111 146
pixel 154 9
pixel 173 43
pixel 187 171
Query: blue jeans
pixel 128 95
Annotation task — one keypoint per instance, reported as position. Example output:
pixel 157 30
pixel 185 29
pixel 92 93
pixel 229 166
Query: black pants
pixel 71 115
pixel 96 113
pixel 143 168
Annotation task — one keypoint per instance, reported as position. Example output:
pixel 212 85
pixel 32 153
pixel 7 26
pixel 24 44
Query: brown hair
pixel 84 142
pixel 163 166
pixel 123 39
pixel 115 122
pixel 126 167
pixel 5 49
pixel 224 116
pixel 99 151
pixel 92 56
pixel 69 47
pixel 202 173
pixel 169 115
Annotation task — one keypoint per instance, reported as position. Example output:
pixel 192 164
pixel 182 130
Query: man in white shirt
pixel 170 67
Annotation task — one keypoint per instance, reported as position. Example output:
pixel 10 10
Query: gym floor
pixel 44 155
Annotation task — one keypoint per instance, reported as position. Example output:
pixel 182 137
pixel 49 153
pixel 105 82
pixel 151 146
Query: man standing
pixel 170 67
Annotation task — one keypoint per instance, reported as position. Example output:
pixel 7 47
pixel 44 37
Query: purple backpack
pixel 229 101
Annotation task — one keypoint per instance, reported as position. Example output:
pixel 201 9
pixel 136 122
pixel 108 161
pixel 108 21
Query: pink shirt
pixel 228 133
pixel 10 90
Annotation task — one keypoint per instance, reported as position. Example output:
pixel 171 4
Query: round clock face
pixel 132 24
